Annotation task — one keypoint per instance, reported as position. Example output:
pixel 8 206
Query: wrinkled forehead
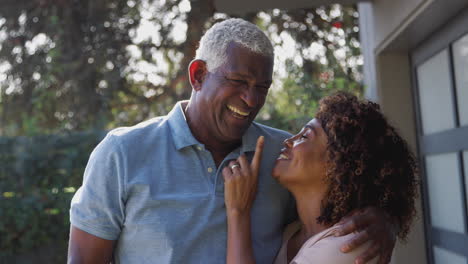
pixel 242 60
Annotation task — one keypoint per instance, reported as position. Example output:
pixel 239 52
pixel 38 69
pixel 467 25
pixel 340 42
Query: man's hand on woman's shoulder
pixel 371 224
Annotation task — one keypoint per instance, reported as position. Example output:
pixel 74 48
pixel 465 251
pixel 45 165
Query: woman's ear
pixel 197 72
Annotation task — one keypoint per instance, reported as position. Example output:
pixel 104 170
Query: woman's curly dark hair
pixel 369 164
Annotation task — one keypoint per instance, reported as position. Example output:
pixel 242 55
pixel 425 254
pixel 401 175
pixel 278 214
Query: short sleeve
pixel 98 206
pixel 327 251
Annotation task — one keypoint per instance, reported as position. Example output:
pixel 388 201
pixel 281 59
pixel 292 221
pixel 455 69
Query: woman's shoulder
pixel 289 231
pixel 325 246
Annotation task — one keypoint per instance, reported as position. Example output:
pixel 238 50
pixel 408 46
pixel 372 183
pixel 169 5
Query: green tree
pixel 74 65
pixel 326 59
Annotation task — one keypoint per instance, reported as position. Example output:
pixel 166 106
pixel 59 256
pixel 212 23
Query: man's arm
pixel 375 225
pixel 97 207
pixel 86 248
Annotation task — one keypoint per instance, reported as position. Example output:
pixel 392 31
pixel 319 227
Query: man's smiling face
pixel 233 94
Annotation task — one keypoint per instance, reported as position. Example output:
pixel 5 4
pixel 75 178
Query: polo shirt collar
pixel 181 134
pixel 249 140
pixel 183 137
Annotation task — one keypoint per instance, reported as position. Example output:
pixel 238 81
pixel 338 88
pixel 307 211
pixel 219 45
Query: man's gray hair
pixel 213 44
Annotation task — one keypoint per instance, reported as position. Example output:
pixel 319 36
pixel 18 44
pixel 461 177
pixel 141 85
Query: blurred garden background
pixel 70 70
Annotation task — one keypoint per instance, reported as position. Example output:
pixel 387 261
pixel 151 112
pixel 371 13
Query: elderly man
pixel 153 193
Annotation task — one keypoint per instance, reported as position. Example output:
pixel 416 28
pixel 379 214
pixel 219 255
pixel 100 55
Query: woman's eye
pixel 303 136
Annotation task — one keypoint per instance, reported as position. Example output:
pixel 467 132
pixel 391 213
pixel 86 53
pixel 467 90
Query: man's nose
pixel 250 96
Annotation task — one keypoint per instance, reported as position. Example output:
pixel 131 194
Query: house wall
pixel 392 17
pixel 391 30
pixel 388 80
pixel 394 89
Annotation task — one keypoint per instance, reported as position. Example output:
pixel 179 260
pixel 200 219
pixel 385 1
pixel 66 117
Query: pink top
pixel 323 248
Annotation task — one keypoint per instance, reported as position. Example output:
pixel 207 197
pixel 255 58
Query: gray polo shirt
pixel 156 190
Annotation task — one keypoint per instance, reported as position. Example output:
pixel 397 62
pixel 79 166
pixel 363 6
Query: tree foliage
pixel 75 65
pixel 38 178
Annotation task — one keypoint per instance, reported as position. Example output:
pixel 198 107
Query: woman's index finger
pixel 258 153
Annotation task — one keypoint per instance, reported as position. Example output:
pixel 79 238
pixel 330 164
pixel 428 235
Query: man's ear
pixel 197 72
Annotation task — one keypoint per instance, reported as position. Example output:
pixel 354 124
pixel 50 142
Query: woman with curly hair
pixel 347 158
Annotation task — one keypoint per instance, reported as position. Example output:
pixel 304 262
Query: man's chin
pixel 236 132
pixel 235 136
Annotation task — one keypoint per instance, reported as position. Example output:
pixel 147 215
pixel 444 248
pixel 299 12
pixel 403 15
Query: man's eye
pixel 236 80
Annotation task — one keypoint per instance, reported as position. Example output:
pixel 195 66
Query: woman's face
pixel 303 159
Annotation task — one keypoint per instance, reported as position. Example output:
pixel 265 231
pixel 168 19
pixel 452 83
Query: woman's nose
pixel 288 142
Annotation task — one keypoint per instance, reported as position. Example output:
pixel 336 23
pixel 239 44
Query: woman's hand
pixel 240 182
pixel 240 188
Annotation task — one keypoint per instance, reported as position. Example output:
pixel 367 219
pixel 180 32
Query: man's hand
pixel 373 224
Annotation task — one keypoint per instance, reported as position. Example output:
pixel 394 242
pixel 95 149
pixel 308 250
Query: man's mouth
pixel 238 112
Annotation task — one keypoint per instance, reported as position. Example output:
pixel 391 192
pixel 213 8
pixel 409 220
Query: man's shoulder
pixel 152 128
pixel 271 132
pixel 151 125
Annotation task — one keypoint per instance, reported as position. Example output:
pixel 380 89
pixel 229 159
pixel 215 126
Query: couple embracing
pixel 206 184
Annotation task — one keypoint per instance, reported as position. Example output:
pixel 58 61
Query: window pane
pixel 445 198
pixel 460 61
pixel 443 256
pixel 436 94
pixel 465 165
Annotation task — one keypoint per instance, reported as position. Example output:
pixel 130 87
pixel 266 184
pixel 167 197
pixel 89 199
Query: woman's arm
pixel 240 187
pixel 239 244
